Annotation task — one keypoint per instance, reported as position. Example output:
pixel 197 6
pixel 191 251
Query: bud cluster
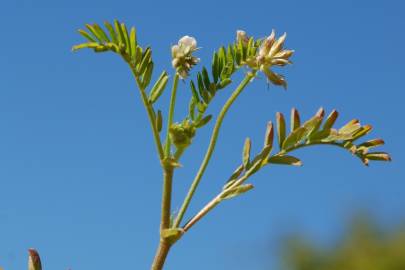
pixel 182 133
pixel 183 60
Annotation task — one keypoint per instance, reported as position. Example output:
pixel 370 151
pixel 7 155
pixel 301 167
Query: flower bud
pixel 181 134
pixel 278 45
pixel 241 36
pixel 284 54
pixel 267 44
pixel 34 261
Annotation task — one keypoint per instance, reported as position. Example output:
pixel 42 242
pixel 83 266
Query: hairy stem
pixel 171 113
pixel 211 146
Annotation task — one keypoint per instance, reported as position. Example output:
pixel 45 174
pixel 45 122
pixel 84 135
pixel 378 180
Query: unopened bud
pixel 34 261
pixel 181 134
pixel 278 45
pixel 241 36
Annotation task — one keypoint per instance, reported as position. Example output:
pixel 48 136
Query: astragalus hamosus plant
pixel 247 55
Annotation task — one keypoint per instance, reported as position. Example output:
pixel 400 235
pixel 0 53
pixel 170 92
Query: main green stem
pixel 164 244
pixel 161 255
pixel 211 146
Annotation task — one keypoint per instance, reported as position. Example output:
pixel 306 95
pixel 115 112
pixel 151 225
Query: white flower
pixel 183 60
pixel 188 41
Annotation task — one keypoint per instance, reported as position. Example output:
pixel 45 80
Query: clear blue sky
pixel 79 177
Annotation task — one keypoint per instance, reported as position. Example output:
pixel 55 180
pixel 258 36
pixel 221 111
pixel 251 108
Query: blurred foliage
pixel 365 246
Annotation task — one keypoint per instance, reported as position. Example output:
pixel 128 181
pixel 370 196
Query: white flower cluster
pixel 183 60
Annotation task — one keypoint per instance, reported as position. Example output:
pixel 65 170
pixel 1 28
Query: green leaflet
pixel 312 125
pixel 285 160
pixel 319 118
pixel 371 143
pixel 280 129
pixel 191 108
pixel 229 57
pixel 206 79
pixel 379 156
pixel 101 33
pixel 215 67
pixel 320 135
pixel 203 121
pixel 294 138
pixel 126 38
pixel 221 60
pixel 236 191
pixel 311 128
pixel 147 75
pixel 362 132
pixel 120 34
pixel 95 33
pixel 235 175
pixel 159 121
pixel 330 120
pixel 146 58
pixel 269 136
pixel 295 119
pixel 133 42
pixel 91 45
pixel 87 35
pixel 246 153
pixel 250 47
pixel 138 54
pixel 194 91
pixel 259 160
pixel 255 165
pixel 351 127
pixel 158 87
pixel 113 34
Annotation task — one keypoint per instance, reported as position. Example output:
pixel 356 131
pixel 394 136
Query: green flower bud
pixel 181 134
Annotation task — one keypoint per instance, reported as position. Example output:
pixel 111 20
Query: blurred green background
pixel 365 245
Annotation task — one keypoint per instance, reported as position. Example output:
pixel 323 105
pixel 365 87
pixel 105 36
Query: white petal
pixel 188 41
pixel 175 50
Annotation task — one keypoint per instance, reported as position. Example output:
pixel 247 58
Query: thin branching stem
pixel 249 76
pixel 151 115
pixel 171 114
pixel 217 199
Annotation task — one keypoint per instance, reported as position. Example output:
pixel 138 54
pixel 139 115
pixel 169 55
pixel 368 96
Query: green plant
pixel 255 56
